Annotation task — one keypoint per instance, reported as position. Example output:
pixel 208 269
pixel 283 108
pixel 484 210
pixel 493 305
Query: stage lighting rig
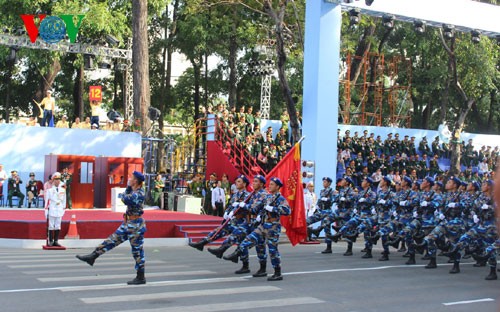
pixel 419 26
pixel 476 36
pixel 354 17
pixel 448 31
pixel 388 21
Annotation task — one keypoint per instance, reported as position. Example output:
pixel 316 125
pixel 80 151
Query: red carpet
pixel 95 223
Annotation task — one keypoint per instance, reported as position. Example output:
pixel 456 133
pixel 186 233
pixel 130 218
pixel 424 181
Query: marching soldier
pixel 270 229
pixel 324 209
pixel 132 228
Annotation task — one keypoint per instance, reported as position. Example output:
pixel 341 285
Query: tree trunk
pixel 361 52
pixel 78 93
pixel 48 79
pixel 444 103
pixel 233 54
pixel 426 115
pixel 455 141
pixel 140 60
pixel 491 111
pixel 278 18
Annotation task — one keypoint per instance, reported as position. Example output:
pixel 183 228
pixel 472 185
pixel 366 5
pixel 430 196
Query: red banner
pixel 288 170
pixel 95 93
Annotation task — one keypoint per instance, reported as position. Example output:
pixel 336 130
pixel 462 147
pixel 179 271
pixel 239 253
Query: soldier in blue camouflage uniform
pixel 482 236
pixel 244 226
pixel 404 201
pixel 237 216
pixel 270 229
pixel 450 224
pixel 132 229
pixel 364 201
pixel 383 212
pixel 325 202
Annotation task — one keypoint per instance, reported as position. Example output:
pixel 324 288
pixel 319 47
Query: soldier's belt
pixel 127 217
pixel 269 220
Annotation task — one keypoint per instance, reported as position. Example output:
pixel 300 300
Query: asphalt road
pixel 184 279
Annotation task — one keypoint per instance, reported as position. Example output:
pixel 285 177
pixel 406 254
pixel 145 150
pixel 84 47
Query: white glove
pixel 258 219
pixel 355 211
pixel 451 205
pixel 424 203
pixel 485 206
pixel 235 204
pixel 226 215
pixel 374 211
pixel 269 208
pixel 342 199
pixel 415 214
pixel 242 205
pixel 46 213
pixel 362 200
pixel 441 216
pixel 324 199
pixel 381 201
pixel 403 203
pixel 230 215
pixel 394 214
pixel 475 218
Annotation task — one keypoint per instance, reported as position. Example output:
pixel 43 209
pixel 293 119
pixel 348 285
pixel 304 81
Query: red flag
pixel 288 171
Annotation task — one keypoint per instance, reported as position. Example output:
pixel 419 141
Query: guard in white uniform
pixel 55 203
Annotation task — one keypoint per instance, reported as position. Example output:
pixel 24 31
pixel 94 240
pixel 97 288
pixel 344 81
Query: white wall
pixel 24 148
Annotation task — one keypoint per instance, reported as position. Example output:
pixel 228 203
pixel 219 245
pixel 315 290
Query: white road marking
pixel 94 270
pixel 116 276
pixel 65 259
pixel 78 263
pixel 468 301
pixel 231 306
pixel 179 294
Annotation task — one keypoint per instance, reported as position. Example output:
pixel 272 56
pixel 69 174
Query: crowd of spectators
pixel 361 156
pixel 241 127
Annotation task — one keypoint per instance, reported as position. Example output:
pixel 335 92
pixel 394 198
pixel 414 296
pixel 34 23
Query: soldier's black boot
pixel 432 264
pixel 199 245
pixel 492 275
pixel 368 254
pixel 218 252
pixel 348 252
pixel 317 231
pixel 328 249
pixel 480 260
pixel 90 258
pixel 50 242
pixel 262 270
pixel 335 237
pixel 385 256
pixel 426 256
pixel 56 238
pixel 244 268
pixel 138 280
pixel 276 276
pixel 395 242
pixel 309 235
pixel 456 267
pixel 233 257
pixel 411 260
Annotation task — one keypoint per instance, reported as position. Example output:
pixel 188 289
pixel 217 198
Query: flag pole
pixel 301 139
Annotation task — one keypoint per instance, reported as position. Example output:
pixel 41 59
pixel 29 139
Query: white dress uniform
pixel 310 200
pixel 55 203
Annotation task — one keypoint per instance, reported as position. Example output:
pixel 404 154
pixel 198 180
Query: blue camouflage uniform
pixel 364 202
pixel 269 230
pixel 132 228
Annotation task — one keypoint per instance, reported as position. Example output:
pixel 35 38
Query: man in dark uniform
pixel 31 190
pixel 207 203
pixel 13 189
pixel 132 229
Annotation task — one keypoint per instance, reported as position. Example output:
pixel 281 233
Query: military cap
pixel 13 171
pixel 139 176
pixel 369 180
pixel 387 179
pixel 457 181
pixel 430 180
pixel 32 174
pixel 490 182
pixel 408 180
pixel 476 185
pixel 277 181
pixel 244 178
pixel 440 184
pixel 418 183
pixel 464 183
pixel 328 179
pixel 56 175
pixel 348 180
pixel 261 178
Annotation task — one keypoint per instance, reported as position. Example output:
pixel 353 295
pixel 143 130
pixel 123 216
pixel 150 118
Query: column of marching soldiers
pixel 420 216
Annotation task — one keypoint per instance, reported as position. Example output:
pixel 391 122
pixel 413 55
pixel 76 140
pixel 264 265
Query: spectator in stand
pixel 32 190
pixel 86 125
pixel 257 120
pixel 397 177
pixel 117 125
pixel 483 167
pixel 95 108
pixel 282 149
pixel 226 186
pixel 250 119
pixel 434 166
pixel 63 123
pixel 126 126
pixel 195 186
pixel 262 159
pixel 423 147
pixel 242 126
pixel 157 190
pixel 208 188
pixel 48 184
pixel 14 189
pixel 136 127
pixel 281 135
pixel 284 122
pixel 76 124
pixel 95 127
pixel 272 157
pixel 377 177
pixel 269 135
pixel 32 122
pixel 49 106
